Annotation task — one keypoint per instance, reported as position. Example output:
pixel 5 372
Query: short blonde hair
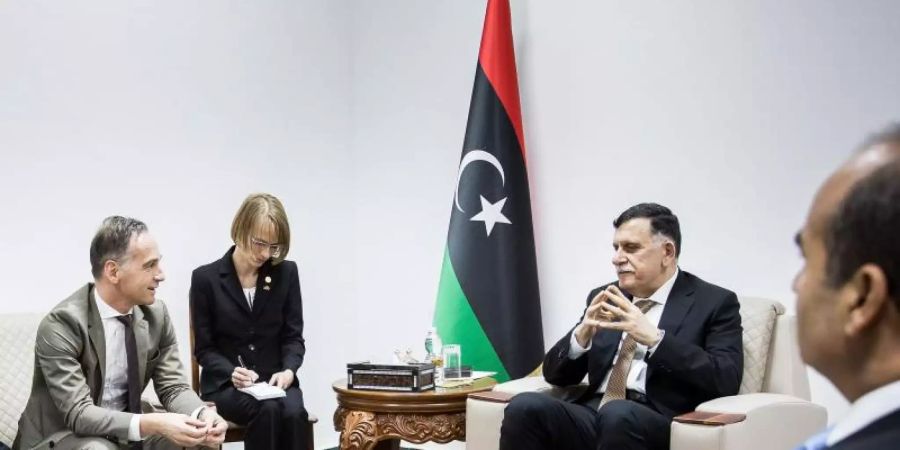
pixel 255 209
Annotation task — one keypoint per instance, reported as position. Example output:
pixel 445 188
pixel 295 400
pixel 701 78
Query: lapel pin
pixel 268 279
pixel 266 287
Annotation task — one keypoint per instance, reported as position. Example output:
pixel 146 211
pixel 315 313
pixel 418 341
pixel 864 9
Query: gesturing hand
pixel 627 317
pixel 593 316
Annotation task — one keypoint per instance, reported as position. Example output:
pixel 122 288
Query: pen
pixel 241 362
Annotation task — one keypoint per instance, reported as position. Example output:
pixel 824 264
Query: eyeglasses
pixel 260 246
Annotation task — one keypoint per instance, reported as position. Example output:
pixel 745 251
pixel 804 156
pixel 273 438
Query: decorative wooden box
pixel 390 377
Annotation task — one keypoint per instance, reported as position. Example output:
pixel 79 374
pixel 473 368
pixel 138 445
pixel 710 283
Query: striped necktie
pixel 618 378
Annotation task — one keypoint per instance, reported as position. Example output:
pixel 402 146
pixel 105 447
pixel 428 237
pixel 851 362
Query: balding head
pixel 848 307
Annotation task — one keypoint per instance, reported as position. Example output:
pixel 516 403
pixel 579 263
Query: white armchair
pixel 771 411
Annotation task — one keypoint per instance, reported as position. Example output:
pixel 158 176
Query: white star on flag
pixel 491 213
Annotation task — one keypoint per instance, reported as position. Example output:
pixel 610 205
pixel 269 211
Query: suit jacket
pixel 269 337
pixel 700 358
pixel 883 433
pixel 69 366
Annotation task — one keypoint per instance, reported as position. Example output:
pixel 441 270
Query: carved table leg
pixel 358 432
pixel 363 430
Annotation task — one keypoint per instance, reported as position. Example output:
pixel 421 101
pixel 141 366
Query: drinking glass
pixel 452 361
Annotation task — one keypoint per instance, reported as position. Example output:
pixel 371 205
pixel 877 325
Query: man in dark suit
pixel 848 294
pixel 97 350
pixel 654 344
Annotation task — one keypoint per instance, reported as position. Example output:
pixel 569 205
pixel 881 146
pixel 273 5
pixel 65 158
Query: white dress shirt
pixel 250 295
pixel 637 374
pixel 115 383
pixel 866 410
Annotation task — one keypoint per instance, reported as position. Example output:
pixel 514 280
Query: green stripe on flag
pixel 457 324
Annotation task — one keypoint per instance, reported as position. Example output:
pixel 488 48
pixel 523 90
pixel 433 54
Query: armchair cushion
pixel 758 319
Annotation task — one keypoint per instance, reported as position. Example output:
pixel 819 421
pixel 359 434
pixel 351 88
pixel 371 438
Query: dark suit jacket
pixel 69 366
pixel 700 358
pixel 269 338
pixel 884 433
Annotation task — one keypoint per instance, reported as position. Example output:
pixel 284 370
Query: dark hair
pixel 864 229
pixel 111 241
pixel 662 221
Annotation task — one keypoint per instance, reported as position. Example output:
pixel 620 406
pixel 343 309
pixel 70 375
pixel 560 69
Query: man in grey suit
pixel 96 351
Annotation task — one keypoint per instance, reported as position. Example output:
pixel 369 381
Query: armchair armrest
pixel 492 396
pixel 756 404
pixel 763 426
pixel 526 384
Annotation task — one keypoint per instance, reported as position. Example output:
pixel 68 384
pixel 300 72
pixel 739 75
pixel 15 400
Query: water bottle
pixel 433 346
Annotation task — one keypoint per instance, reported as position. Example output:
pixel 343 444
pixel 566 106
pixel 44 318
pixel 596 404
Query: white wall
pixel 354 114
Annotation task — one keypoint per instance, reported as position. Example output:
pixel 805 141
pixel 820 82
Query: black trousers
pixel 537 421
pixel 274 424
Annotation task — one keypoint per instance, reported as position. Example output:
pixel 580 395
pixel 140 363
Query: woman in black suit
pixel 248 325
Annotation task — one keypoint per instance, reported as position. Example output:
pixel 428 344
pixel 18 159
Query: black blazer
pixel 883 433
pixel 700 358
pixel 269 338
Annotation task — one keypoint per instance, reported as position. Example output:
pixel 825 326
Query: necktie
pixel 134 382
pixel 134 389
pixel 615 389
pixel 817 441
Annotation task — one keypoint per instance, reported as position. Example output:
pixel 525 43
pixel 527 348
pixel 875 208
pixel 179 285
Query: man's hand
pixel 182 430
pixel 216 427
pixel 593 317
pixel 628 318
pixel 282 379
pixel 242 377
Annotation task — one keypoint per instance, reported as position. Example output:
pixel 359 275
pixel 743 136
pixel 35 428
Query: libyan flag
pixel 488 300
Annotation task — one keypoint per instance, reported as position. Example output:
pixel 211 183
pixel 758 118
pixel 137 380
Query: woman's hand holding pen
pixel 242 376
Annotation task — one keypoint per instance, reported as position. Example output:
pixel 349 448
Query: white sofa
pixel 772 410
pixel 17 333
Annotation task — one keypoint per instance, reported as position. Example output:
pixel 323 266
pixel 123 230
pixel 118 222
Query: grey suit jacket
pixel 69 366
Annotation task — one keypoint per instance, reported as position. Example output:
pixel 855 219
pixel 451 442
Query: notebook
pixel 263 391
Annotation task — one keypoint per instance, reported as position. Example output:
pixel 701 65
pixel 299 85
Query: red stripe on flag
pixel 498 61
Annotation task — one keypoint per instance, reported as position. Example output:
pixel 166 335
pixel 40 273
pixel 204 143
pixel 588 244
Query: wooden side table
pixel 376 420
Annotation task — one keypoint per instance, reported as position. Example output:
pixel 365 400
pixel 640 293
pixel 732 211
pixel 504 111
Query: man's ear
pixel 864 298
pixel 111 271
pixel 669 248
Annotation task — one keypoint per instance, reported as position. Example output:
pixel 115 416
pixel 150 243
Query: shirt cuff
pixel 575 349
pixel 196 413
pixel 651 350
pixel 134 428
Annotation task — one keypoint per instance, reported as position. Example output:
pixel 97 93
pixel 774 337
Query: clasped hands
pixel 610 310
pixel 242 378
pixel 207 430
